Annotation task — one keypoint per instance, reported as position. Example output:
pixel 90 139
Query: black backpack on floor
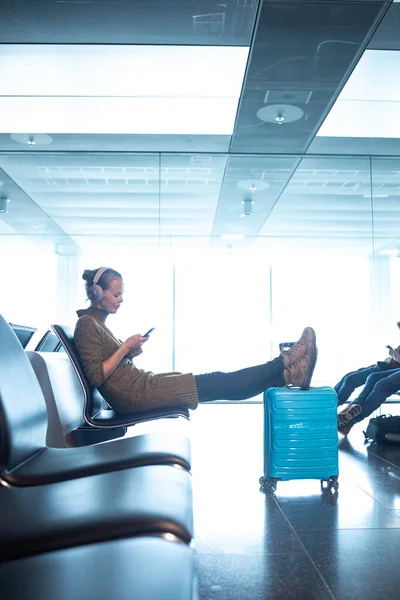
pixel 383 429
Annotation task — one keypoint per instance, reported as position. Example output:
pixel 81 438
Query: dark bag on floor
pixel 383 429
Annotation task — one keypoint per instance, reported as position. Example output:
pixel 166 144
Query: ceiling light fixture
pixel 37 139
pixel 4 205
pixel 247 207
pixel 280 113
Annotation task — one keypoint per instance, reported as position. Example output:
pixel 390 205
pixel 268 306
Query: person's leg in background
pixel 378 388
pixel 370 384
pixel 353 380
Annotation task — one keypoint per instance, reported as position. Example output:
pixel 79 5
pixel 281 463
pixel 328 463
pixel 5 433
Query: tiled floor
pixel 299 544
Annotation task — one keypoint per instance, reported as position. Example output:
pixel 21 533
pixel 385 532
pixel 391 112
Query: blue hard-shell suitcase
pixel 300 437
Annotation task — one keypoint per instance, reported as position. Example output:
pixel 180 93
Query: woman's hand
pixel 134 343
pixel 131 347
pixel 135 352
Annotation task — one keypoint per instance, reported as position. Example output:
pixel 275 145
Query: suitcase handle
pixel 285 346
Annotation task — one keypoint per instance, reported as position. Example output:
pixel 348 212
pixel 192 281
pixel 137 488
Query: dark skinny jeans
pixel 240 385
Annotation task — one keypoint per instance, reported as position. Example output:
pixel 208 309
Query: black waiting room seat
pixel 23 333
pixel 96 411
pixel 25 460
pixel 150 500
pixel 142 568
pixel 49 342
pixel 116 534
pixel 63 394
pixel 44 340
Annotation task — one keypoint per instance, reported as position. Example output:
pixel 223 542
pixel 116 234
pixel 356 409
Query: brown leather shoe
pixel 305 345
pixel 299 374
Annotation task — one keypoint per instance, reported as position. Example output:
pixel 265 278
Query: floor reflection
pixel 298 543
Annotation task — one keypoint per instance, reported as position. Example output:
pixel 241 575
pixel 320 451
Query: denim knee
pixel 385 386
pixel 374 378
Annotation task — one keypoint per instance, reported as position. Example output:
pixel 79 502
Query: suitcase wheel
pixel 268 486
pixel 330 485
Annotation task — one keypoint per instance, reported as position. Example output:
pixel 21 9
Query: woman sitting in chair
pixel 108 362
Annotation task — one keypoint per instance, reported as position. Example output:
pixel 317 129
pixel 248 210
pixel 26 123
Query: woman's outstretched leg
pixel 293 367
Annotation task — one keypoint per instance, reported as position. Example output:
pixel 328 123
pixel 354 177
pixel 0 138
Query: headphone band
pixel 98 274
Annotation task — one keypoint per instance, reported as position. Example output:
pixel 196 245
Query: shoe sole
pixel 346 416
pixel 345 430
pixel 313 362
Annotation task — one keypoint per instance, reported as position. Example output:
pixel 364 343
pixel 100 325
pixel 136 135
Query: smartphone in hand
pixel 148 332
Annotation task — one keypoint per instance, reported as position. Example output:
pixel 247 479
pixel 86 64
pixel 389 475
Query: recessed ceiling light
pixel 280 114
pixel 31 139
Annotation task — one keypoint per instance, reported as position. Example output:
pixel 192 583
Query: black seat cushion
pixel 60 464
pixel 139 501
pixel 148 568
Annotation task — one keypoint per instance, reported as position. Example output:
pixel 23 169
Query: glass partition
pixel 386 262
pixel 226 256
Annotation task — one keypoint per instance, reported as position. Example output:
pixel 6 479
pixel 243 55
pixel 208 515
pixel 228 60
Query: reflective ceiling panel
pixel 331 199
pixel 116 143
pixel 355 146
pixel 328 203
pixel 115 199
pixel 189 190
pixel 26 217
pixel 301 55
pixel 387 36
pixel 200 22
pixel 252 185
pixel 72 202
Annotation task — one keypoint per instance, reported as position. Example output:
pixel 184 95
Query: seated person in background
pixel 108 366
pixel 379 386
pixel 353 380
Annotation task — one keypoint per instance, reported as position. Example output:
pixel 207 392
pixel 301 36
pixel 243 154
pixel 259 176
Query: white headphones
pixel 95 292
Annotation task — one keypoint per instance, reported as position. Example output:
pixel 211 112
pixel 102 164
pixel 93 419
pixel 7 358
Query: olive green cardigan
pixel 127 389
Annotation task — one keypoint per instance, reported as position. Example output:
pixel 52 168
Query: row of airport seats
pixel 32 338
pixel 81 520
